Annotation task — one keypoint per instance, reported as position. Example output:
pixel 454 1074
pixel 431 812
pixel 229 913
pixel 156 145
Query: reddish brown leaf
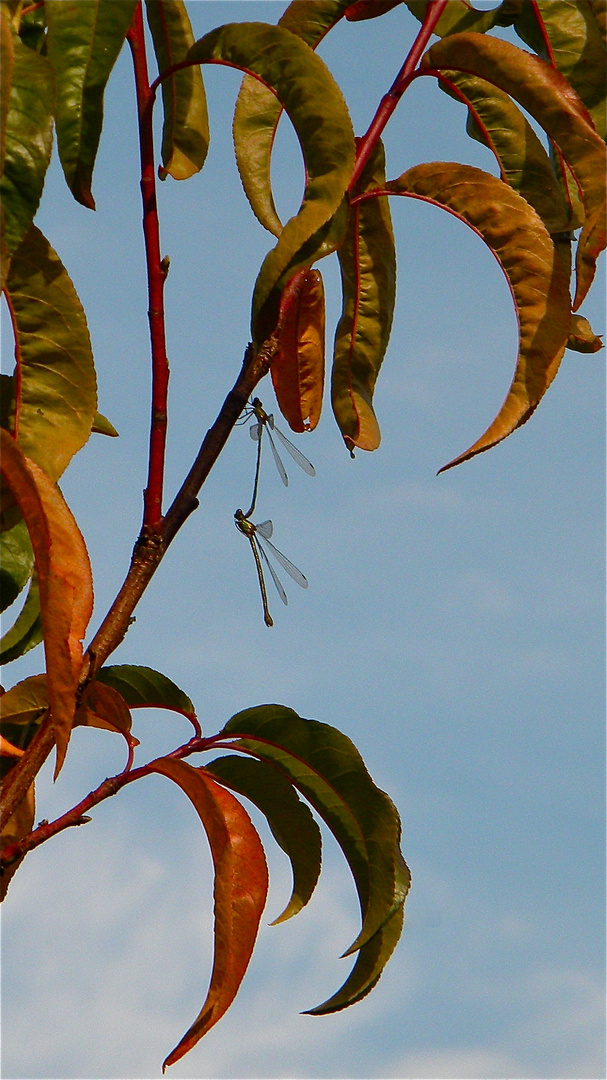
pixel 550 99
pixel 369 9
pixel 535 272
pixel 241 885
pixel 298 368
pixel 65 582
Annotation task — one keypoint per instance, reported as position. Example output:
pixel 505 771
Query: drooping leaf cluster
pixel 542 218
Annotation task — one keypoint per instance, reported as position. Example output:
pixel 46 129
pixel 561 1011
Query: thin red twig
pixel 390 100
pixel 156 273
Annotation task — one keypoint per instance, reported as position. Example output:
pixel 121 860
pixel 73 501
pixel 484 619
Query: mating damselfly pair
pixel 260 534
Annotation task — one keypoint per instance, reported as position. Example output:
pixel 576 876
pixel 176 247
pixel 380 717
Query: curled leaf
pixel 84 39
pixel 185 134
pixel 328 770
pixel 582 337
pixel 258 110
pixel 57 398
pixel 548 98
pixel 370 962
pixel 298 366
pixel 292 824
pixel 495 121
pixel 568 35
pixel 315 105
pixel 367 262
pixel 241 885
pixel 534 270
pixel 64 578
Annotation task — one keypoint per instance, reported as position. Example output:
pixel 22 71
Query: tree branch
pixel 390 100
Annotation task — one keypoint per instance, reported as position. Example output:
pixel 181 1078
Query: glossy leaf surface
pixel 16 563
pixel 538 282
pixel 64 578
pixel 185 134
pixel 569 36
pixel 370 963
pixel 57 401
pixel 290 820
pixel 367 261
pixel 241 885
pixel 547 97
pixel 258 110
pixel 28 136
pixel 142 687
pixel 298 366
pixel 26 631
pixel 495 121
pixel 458 16
pixel 319 115
pixel 84 39
pixel 328 770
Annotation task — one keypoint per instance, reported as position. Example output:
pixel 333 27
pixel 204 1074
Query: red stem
pixel 109 787
pixel 388 103
pixel 152 514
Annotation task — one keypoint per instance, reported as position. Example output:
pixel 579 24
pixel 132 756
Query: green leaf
pixel 84 39
pixel 102 426
pixel 28 137
pixel 292 824
pixel 241 885
pixel 367 262
pixel 369 965
pixel 258 110
pixel 523 161
pixel 185 136
pixel 142 687
pixel 582 337
pixel 568 35
pixel 546 95
pixel 64 578
pixel 319 115
pixel 58 394
pixel 7 57
pixel 26 631
pixel 457 17
pixel 537 279
pixel 16 563
pixel 328 770
pixel 22 710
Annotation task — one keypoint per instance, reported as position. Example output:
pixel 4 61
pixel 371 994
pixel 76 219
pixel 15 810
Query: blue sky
pixel 453 628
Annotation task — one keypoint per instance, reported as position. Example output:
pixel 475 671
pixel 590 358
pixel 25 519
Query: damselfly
pixel 257 535
pixel 265 421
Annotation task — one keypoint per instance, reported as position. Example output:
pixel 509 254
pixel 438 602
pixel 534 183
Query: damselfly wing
pixel 258 536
